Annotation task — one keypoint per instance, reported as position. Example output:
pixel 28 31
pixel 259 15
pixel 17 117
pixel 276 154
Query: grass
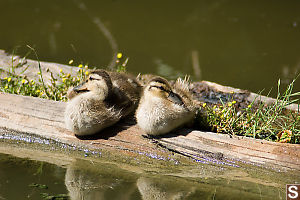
pixel 59 83
pixel 258 120
pixel 56 90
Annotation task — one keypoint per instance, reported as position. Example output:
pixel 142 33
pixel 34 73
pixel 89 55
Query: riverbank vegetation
pixel 56 90
pixel 258 120
pixel 271 122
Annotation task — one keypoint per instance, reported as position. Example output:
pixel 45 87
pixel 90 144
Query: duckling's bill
pixel 81 88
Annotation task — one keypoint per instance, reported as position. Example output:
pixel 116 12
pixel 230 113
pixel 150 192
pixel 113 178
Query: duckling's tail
pixel 181 86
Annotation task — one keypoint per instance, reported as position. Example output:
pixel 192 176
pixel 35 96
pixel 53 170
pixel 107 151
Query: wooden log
pixel 250 96
pixel 44 118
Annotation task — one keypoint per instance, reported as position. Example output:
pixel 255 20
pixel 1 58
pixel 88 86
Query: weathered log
pixel 44 118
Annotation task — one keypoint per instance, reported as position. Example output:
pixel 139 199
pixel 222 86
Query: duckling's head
pixel 97 83
pixel 159 87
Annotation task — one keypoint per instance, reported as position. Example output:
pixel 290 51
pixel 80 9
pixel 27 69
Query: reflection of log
pixel 44 118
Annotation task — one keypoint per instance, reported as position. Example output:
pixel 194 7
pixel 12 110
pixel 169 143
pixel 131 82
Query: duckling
pixel 100 102
pixel 163 109
pixel 127 89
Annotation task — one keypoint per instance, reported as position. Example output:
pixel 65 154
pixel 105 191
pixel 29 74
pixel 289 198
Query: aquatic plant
pixel 47 196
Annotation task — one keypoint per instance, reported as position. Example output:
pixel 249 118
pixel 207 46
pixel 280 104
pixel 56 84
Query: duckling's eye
pixel 159 87
pixel 91 78
pixel 162 88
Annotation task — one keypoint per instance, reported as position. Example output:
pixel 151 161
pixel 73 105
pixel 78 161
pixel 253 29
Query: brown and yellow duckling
pixel 163 108
pixel 101 101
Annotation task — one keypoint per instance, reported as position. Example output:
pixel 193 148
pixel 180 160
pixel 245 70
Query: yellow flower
pixel 6 87
pixel 249 106
pixel 68 75
pixel 37 91
pixel 60 70
pixel 233 102
pixel 119 55
pixel 32 82
pixel 64 80
pixel 5 78
pixel 86 73
pixel 9 79
pixel 71 61
pixel 39 73
pixel 23 81
pixel 204 105
pixel 80 66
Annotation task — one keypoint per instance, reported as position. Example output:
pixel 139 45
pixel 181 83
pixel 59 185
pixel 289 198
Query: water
pixel 17 175
pixel 87 179
pixel 248 45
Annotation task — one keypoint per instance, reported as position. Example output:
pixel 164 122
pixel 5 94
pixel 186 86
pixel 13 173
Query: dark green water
pixel 99 180
pixel 244 44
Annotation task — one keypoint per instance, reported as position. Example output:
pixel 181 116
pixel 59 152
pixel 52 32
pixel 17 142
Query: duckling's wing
pixel 127 86
pixel 181 87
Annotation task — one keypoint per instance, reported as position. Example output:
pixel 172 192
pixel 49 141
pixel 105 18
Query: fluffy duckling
pixel 163 109
pixel 100 102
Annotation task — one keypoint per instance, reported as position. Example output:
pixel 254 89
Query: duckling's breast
pixel 85 116
pixel 157 116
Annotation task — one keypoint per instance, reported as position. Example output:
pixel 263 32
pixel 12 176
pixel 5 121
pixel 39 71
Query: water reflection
pixel 157 188
pixel 86 180
pixel 90 180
